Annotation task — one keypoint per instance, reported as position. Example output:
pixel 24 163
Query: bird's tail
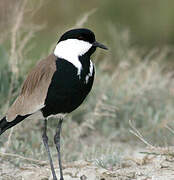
pixel 4 124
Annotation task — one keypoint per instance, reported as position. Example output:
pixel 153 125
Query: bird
pixel 56 86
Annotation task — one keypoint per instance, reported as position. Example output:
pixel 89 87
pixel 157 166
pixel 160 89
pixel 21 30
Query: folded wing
pixel 34 89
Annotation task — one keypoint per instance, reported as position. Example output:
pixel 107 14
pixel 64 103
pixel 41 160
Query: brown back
pixel 34 89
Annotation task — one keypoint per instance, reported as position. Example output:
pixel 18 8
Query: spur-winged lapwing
pixel 57 85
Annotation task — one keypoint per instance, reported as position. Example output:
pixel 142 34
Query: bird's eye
pixel 80 37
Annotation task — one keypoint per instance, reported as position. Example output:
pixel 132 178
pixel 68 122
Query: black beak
pixel 97 44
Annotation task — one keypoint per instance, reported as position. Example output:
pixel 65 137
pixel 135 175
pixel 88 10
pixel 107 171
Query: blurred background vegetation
pixel 134 79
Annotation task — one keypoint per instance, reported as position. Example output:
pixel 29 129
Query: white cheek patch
pixel 91 69
pixel 71 49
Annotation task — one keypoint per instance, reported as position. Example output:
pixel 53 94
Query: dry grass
pixel 19 39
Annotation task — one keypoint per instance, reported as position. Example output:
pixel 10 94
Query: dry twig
pixel 41 163
pixel 170 129
pixel 84 19
pixel 135 132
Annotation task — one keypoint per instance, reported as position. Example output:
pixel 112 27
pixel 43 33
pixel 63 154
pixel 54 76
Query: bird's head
pixel 77 42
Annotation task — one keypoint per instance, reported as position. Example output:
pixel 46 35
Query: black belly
pixel 67 89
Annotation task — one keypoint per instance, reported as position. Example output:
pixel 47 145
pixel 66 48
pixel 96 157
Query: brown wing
pixel 34 89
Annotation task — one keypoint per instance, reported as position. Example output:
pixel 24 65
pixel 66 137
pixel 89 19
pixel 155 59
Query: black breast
pixel 67 89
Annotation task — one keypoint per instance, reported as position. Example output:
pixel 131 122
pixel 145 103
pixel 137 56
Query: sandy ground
pixel 153 164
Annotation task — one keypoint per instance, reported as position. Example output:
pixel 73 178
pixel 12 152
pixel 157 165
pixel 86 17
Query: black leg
pixel 45 141
pixel 57 143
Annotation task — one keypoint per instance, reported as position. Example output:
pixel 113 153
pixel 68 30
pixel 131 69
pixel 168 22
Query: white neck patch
pixel 71 49
pixel 91 69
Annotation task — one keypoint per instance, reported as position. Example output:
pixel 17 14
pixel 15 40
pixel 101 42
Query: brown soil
pixel 153 164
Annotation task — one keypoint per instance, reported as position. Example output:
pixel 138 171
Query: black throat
pixel 85 61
